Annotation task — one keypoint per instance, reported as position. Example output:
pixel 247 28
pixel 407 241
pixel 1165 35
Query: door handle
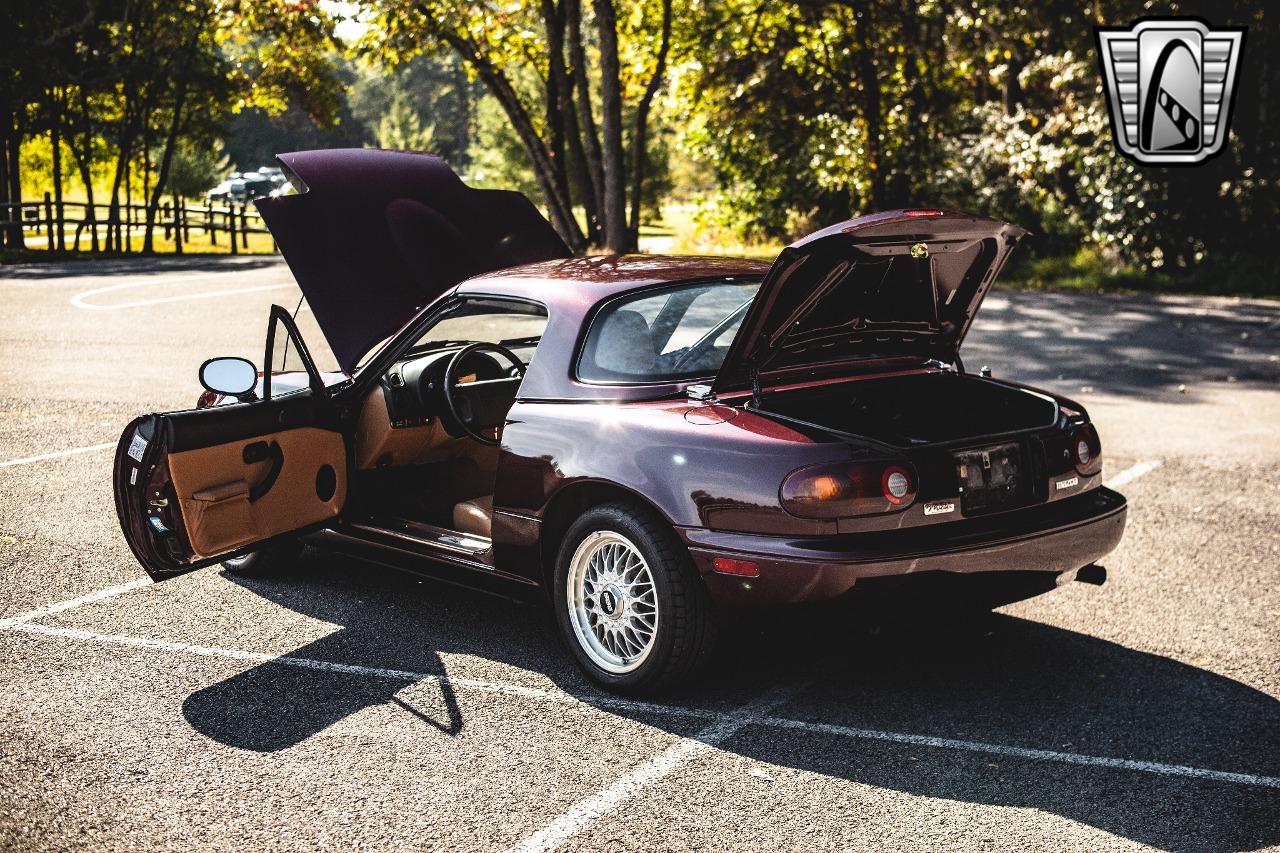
pixel 257 452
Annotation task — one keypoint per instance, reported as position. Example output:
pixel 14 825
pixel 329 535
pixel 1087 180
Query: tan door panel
pixel 213 485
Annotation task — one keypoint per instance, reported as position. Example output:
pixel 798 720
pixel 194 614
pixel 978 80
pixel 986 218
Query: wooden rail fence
pixel 97 231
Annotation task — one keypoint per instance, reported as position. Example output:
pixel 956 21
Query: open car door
pixel 195 487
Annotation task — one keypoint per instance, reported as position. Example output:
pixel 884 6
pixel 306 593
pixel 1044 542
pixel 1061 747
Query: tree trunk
pixel 616 236
pixel 901 188
pixel 166 160
pixel 558 204
pixel 555 88
pixel 581 172
pixel 584 140
pixel 869 89
pixel 115 234
pixel 5 210
pixel 86 177
pixel 1012 85
pixel 84 167
pixel 128 205
pixel 55 141
pixel 12 155
pixel 639 136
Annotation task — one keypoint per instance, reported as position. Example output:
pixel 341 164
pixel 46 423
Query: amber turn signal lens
pixel 846 489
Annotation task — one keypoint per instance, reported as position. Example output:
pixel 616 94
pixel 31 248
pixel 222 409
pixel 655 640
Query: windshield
pixel 675 333
pixel 515 325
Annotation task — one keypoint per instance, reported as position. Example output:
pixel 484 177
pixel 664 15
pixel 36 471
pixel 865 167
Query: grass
pixel 1088 272
pixel 199 243
pixel 687 233
pixel 681 231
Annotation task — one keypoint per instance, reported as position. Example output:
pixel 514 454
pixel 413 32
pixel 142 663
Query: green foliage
pixel 282 53
pixel 197 166
pixel 497 159
pixel 138 88
pixel 810 112
pixel 414 95
pixel 768 119
pixel 401 128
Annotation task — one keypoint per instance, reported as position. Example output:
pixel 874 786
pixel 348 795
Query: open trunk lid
pixel 373 236
pixel 900 285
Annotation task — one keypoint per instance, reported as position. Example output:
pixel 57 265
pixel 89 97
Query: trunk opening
pixel 915 410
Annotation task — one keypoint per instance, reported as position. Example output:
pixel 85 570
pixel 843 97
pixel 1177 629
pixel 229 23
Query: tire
pixel 273 559
pixel 629 544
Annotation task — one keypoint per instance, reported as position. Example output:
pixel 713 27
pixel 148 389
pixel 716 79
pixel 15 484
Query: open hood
pixel 373 236
pixel 902 284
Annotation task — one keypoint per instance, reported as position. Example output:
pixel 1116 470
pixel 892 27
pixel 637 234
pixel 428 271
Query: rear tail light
pixel 844 489
pixel 895 483
pixel 1086 449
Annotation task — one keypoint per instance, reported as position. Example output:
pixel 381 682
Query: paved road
pixel 351 707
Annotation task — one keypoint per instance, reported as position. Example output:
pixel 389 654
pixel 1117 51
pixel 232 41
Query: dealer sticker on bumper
pixel 1067 483
pixel 939 508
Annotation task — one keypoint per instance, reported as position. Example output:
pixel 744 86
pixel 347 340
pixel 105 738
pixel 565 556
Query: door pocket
pixel 219 518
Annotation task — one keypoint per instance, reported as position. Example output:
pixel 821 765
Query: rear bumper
pixel 1055 537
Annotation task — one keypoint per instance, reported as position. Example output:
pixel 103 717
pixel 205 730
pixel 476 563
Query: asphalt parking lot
pixel 351 707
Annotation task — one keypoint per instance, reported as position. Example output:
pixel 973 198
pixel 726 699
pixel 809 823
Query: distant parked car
pixel 255 185
pixel 274 173
pixel 244 187
pixel 222 192
pixel 643 440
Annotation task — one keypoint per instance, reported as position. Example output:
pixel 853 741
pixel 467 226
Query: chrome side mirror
pixel 233 377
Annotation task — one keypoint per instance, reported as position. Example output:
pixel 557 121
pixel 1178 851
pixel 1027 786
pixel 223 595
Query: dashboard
pixel 405 420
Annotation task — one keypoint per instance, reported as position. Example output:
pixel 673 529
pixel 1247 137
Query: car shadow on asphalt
pixel 996 680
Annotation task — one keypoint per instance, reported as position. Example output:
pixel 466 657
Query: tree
pixel 39 50
pixel 432 91
pixel 535 59
pixel 128 80
pixel 816 110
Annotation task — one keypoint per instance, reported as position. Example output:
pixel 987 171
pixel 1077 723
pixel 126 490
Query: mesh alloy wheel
pixel 613 605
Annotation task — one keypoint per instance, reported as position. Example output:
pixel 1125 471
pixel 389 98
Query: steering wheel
pixel 480 405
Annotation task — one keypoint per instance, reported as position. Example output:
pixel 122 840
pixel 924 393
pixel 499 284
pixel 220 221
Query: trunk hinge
pixel 950 367
pixel 754 372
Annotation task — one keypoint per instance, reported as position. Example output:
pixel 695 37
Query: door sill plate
pixel 428 534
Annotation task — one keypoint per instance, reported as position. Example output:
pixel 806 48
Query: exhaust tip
pixel 1092 574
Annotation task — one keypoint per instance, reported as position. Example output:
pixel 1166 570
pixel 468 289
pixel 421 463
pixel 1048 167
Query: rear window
pixel 667 335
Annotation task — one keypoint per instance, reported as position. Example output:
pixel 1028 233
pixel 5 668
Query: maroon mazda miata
pixel 645 440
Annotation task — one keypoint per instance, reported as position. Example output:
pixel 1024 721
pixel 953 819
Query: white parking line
pixel 1133 472
pixel 79 299
pixel 58 454
pixel 72 604
pixel 21 623
pixel 585 812
pixel 677 755
pixel 1156 767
